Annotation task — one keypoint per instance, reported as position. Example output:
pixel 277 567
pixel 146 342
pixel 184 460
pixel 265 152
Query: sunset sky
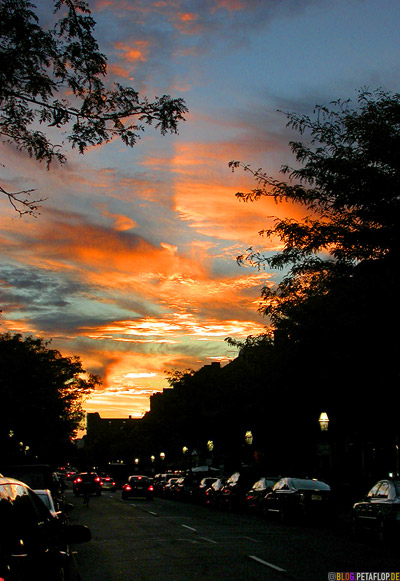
pixel 131 263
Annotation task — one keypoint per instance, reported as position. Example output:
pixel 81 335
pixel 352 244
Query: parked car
pixel 59 508
pixel 167 488
pixel 87 482
pixel 379 510
pixel 186 488
pixel 46 497
pixel 299 498
pixel 33 544
pixel 205 483
pixel 108 483
pixel 36 476
pixel 138 486
pixel 212 493
pixel 255 496
pixel 233 494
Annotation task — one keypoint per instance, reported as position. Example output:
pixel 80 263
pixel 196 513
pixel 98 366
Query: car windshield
pixel 301 484
pixel 135 479
pixel 44 498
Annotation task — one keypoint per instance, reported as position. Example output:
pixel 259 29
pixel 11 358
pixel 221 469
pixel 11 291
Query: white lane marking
pixel 190 528
pixel 208 540
pixel 267 564
pixel 153 513
pixel 252 540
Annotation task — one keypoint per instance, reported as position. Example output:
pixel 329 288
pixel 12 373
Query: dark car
pixel 87 483
pixel 186 488
pixel 168 487
pixel 33 544
pixel 212 494
pixel 233 494
pixel 380 509
pixel 139 487
pixel 205 484
pixel 255 496
pixel 299 498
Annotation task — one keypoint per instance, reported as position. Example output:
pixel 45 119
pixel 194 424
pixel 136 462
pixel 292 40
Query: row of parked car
pixel 289 499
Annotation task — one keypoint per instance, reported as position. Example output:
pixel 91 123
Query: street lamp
pixel 248 437
pixel 323 422
pixel 162 456
pixel 210 445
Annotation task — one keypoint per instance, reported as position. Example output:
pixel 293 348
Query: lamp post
pixel 323 422
pixel 186 457
pixel 248 437
pixel 324 448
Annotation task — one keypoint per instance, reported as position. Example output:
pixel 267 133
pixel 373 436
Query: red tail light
pixel 151 488
pixel 77 480
pixel 97 479
pixel 127 487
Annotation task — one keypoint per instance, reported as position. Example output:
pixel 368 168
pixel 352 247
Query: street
pixel 163 540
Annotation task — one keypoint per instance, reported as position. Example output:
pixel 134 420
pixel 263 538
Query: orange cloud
pixel 138 52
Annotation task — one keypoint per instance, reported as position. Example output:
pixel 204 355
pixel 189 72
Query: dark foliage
pixel 55 78
pixel 41 396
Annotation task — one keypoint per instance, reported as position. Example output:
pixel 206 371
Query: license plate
pixel 316 497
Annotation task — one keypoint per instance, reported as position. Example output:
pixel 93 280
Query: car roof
pixel 6 480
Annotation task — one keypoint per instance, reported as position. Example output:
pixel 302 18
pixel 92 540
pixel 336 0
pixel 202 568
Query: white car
pixel 46 497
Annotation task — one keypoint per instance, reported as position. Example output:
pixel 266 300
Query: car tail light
pixel 77 480
pixel 127 487
pixel 151 488
pixel 97 479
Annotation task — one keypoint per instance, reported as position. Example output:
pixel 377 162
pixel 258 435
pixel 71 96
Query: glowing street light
pixel 323 422
pixel 248 437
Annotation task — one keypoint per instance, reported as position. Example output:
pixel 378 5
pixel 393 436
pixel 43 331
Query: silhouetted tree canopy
pixel 348 184
pixel 54 77
pixel 41 394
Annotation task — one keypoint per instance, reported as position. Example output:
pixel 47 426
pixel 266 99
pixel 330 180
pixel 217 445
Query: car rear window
pixel 301 484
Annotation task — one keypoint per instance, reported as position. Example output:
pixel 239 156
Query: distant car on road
pixel 33 544
pixel 379 511
pixel 299 498
pixel 139 487
pixel 87 482
pixel 108 483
